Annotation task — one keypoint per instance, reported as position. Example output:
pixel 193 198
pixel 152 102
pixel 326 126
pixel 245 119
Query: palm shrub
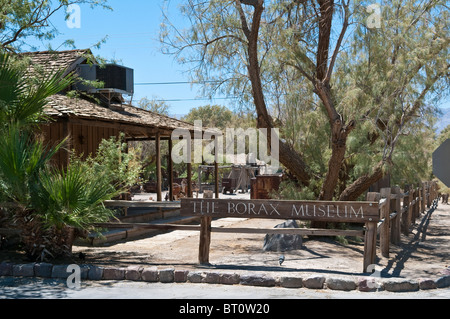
pixel 70 201
pixel 50 204
pixel 45 203
pixel 21 160
pixel 71 197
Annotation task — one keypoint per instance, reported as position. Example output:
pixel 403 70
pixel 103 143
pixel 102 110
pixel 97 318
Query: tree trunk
pixel 31 235
pixel 39 242
pixel 338 147
pixel 334 167
pixel 324 67
pixel 288 157
pixel 358 187
pixel 294 163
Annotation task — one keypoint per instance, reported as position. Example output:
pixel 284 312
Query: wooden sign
pixel 359 212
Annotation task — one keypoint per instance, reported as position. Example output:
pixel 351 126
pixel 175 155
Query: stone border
pixel 172 275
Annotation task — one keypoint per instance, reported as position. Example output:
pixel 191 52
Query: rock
pixel 283 242
pixel 229 279
pixel 180 275
pixel 150 274
pixel 443 282
pixel 212 278
pixel 24 270
pixel 60 271
pixel 113 273
pixel 95 273
pixel 291 282
pixel 401 285
pixel 84 269
pixel 43 270
pixel 6 269
pixel 133 273
pixel 340 284
pixel 261 281
pixel 368 284
pixel 196 277
pixel 426 284
pixel 166 275
pixel 314 282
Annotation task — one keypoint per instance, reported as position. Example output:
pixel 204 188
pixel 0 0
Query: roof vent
pixel 117 78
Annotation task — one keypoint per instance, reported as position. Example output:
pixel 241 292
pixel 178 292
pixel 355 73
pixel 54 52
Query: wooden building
pixel 98 114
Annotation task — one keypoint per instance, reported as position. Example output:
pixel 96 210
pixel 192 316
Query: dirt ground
pixel 423 254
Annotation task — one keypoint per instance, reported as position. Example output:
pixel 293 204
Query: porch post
pixel 216 168
pixel 170 167
pixel 189 170
pixel 158 167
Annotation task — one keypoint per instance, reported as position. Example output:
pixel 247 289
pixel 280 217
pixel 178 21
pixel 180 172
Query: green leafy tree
pixel 343 91
pixel 121 165
pixel 443 136
pixel 155 106
pixel 22 19
pixel 213 116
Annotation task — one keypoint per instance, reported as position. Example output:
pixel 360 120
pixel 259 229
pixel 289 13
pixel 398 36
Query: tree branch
pixel 244 24
pixel 325 19
pixel 338 44
pixel 360 185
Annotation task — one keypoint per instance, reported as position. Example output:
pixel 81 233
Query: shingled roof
pixel 53 61
pixel 63 106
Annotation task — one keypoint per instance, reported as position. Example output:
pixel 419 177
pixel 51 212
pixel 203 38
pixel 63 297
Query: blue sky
pixel 133 30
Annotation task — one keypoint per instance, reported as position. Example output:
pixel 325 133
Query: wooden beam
pixel 417 206
pixel 328 211
pixel 370 245
pixel 131 128
pixel 148 138
pixel 291 231
pixel 385 235
pixel 148 226
pixel 139 203
pixel 189 179
pixel 170 167
pixel 423 195
pixel 189 169
pixel 395 225
pixel 205 240
pixel 405 213
pixel 158 167
pixel 216 168
pixel 216 179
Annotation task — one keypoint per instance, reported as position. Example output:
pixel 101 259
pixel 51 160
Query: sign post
pixel 367 213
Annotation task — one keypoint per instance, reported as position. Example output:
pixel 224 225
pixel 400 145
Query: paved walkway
pixel 26 288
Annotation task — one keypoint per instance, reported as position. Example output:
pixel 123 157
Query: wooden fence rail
pixel 385 215
pixel 399 211
pixel 396 212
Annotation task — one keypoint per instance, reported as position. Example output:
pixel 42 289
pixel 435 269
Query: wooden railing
pixel 387 213
pixel 399 211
